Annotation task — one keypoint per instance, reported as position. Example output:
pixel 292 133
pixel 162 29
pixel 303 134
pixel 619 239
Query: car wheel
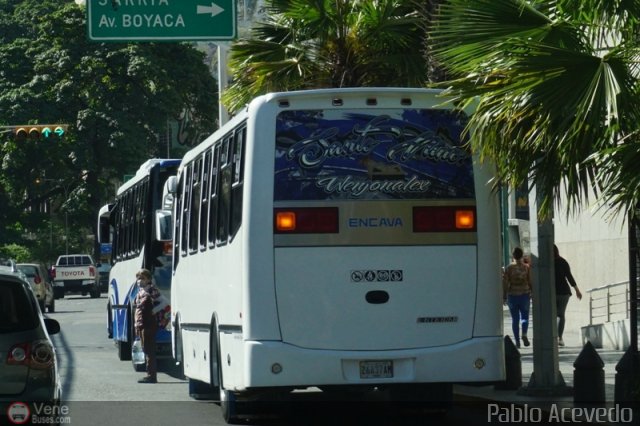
pixel 95 292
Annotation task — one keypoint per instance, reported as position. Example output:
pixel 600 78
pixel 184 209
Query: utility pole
pixel 65 188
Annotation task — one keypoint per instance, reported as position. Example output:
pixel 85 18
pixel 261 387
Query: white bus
pixel 128 226
pixel 336 239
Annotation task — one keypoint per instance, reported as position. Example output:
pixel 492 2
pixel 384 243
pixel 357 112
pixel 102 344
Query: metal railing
pixel 609 303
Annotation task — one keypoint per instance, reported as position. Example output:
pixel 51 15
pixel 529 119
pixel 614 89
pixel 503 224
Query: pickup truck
pixel 75 273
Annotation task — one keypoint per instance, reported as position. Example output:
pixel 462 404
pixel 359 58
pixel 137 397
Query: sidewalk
pixel 553 407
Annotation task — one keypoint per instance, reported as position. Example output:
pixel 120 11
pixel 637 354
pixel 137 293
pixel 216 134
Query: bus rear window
pixel 360 155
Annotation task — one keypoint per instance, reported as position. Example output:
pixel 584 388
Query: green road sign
pixel 161 20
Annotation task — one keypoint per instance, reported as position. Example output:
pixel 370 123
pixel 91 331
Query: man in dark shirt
pixel 564 278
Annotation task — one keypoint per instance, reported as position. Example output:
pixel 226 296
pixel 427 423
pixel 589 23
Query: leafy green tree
pixel 556 86
pixel 305 44
pixel 116 98
pixel 19 254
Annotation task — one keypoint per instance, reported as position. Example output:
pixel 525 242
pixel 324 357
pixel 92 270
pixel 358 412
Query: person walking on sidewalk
pixel 516 284
pixel 146 323
pixel 564 278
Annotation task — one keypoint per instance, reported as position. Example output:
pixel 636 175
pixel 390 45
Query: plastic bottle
pixel 137 353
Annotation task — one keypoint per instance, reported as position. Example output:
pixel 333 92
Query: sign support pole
pixel 223 78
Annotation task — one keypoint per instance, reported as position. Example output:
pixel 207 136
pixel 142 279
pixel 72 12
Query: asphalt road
pixel 99 389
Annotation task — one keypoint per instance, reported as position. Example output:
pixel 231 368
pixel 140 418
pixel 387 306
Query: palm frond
pixel 548 97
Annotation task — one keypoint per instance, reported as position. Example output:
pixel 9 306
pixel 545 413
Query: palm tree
pixel 556 85
pixel 328 43
pixel 557 89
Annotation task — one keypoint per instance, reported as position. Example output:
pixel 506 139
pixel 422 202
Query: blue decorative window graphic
pixel 359 155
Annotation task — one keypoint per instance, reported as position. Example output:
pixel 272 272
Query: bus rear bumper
pixel 280 364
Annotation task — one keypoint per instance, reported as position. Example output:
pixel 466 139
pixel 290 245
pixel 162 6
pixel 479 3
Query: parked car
pixel 7 263
pixel 28 363
pixel 40 283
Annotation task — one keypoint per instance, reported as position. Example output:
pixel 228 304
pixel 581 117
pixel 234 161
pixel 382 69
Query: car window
pixel 16 310
pixel 29 271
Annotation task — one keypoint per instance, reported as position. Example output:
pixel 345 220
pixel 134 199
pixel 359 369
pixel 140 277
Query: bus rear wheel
pixel 233 406
pixel 109 322
pixel 124 348
pixel 124 351
pixel 229 407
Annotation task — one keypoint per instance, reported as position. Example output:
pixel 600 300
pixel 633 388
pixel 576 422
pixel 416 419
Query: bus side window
pixel 119 231
pixel 177 235
pixel 142 207
pixel 186 204
pixel 204 199
pixel 213 196
pixel 224 199
pixel 128 224
pixel 194 219
pixel 137 221
pixel 238 171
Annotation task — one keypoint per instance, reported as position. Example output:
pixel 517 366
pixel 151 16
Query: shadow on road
pixel 66 358
pixel 81 297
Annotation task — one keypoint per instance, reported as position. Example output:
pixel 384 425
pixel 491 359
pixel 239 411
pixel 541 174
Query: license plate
pixel 376 369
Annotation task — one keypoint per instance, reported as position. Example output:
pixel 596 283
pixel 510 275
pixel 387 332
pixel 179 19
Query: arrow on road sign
pixel 214 9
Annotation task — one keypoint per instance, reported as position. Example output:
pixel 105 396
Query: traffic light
pixel 38 131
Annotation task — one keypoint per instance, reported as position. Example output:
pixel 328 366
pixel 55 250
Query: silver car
pixel 40 283
pixel 28 364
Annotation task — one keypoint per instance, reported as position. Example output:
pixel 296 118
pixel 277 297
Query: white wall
pixel 596 247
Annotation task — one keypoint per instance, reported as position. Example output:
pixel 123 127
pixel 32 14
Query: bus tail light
pixel 306 220
pixel 444 219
